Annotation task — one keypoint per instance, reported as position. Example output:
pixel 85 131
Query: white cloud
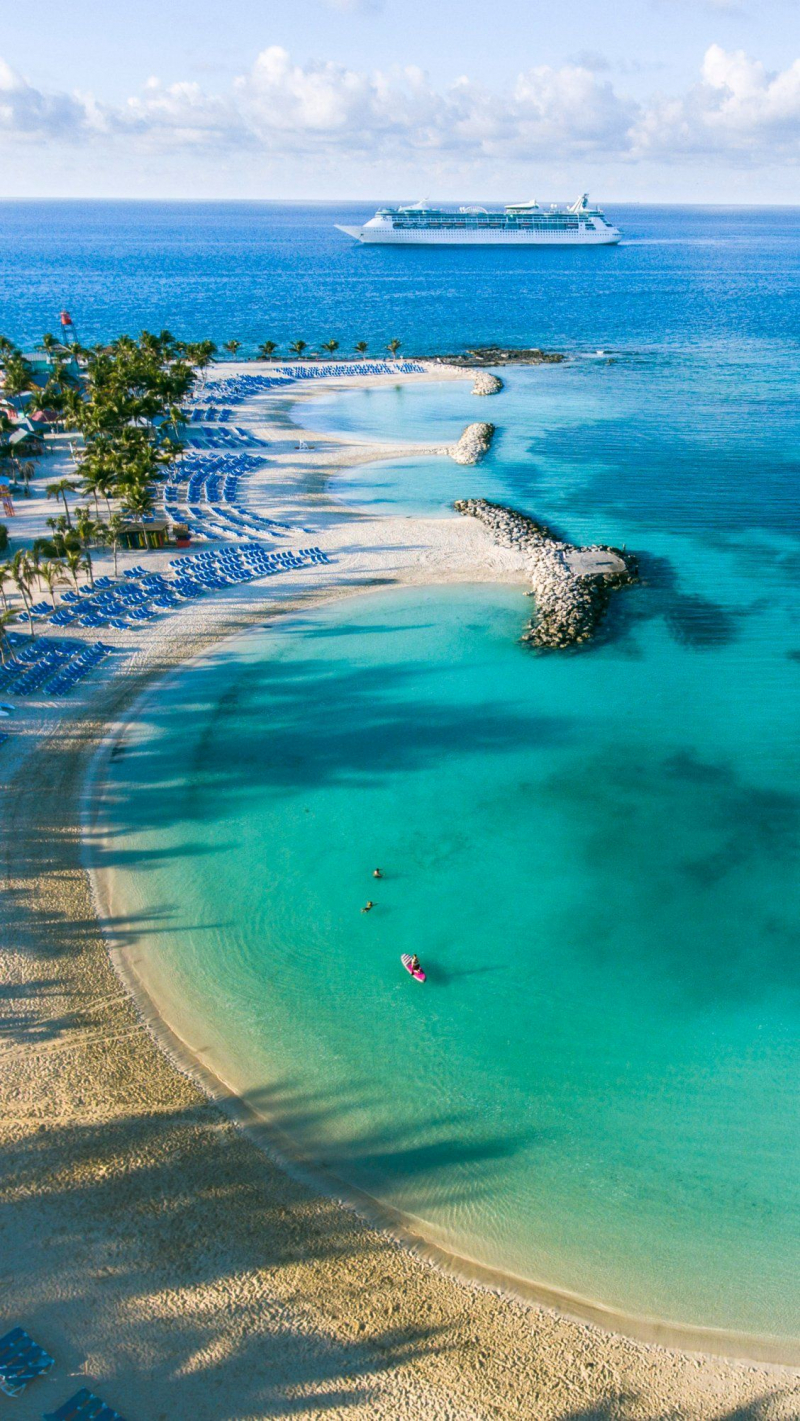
pixel 738 108
pixel 28 113
pixel 321 109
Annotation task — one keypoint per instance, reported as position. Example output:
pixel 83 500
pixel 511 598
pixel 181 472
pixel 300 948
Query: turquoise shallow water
pixel 594 856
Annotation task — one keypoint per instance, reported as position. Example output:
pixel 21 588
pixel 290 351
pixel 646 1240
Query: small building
pixel 46 420
pixel 154 533
pixel 25 443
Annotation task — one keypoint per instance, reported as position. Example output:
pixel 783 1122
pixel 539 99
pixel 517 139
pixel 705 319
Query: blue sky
pixel 671 100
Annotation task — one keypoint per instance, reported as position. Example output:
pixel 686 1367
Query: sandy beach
pixel 151 1245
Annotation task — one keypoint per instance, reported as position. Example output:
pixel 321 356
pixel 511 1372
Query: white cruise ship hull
pixel 410 237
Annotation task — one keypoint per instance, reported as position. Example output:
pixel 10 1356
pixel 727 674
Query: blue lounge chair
pixel 83 1406
pixel 21 1361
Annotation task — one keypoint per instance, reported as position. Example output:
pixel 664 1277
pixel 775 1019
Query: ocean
pixel 259 271
pixel 595 854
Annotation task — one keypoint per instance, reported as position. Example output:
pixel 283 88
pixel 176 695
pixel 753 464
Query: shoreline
pixel 405 1229
pixel 60 952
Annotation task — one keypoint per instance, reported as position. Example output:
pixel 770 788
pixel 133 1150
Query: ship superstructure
pixel 519 224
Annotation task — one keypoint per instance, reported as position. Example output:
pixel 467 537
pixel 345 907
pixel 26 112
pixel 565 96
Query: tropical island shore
pixel 156 1248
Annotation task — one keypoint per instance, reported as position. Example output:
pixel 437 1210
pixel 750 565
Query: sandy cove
pixel 149 1243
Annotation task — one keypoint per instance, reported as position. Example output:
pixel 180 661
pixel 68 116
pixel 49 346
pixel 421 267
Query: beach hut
pixel 25 443
pixel 152 534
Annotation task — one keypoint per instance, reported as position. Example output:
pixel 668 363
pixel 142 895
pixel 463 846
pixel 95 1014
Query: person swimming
pixel 368 905
pixel 376 873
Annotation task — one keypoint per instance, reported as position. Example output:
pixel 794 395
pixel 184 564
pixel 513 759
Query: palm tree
pixel 36 561
pixel 86 528
pixel 27 470
pixel 298 346
pixel 6 618
pixel 138 502
pixel 111 534
pixel 232 346
pixel 53 573
pixel 360 347
pixel 267 350
pixel 22 571
pixel 74 561
pixel 60 490
pixel 18 374
pixel 49 346
pixel 6 575
pixel 330 346
pixel 98 483
pixel 394 346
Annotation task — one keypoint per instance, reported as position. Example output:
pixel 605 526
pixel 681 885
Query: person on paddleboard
pixel 415 965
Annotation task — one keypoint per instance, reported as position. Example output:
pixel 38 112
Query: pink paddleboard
pixel 406 961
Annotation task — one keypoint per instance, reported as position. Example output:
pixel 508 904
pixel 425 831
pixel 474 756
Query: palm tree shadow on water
pixel 301 726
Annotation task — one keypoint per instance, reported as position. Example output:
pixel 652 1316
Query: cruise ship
pixel 519 225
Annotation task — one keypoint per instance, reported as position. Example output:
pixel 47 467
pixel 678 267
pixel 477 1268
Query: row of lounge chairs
pixel 210 502
pixel 48 665
pixel 220 567
pixel 204 438
pixel 238 387
pixel 132 600
pixel 209 414
pixel 22 1360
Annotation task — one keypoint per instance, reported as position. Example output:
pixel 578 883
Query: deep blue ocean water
pixel 595 854
pixel 258 271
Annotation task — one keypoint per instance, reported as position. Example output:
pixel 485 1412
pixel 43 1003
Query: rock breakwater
pixel 473 444
pixel 571 585
pixel 486 383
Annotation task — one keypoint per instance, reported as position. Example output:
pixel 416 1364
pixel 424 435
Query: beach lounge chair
pixel 83 1406
pixel 21 1361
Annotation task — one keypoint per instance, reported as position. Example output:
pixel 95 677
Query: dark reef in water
pixel 572 585
pixel 499 355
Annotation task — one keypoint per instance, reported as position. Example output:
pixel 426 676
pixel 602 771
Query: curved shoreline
pixel 223 1249
pixel 282 1149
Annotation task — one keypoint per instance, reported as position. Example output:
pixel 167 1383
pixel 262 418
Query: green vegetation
pixel 125 400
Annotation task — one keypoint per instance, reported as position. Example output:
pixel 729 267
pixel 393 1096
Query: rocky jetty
pixel 500 355
pixel 571 585
pixel 486 383
pixel 473 444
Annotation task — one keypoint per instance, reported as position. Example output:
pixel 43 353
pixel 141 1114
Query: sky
pixel 387 100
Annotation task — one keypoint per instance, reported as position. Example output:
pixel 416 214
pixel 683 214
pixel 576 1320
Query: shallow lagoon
pixel 594 857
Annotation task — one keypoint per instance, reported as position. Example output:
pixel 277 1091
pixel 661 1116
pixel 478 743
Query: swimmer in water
pixel 369 904
pixel 376 873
